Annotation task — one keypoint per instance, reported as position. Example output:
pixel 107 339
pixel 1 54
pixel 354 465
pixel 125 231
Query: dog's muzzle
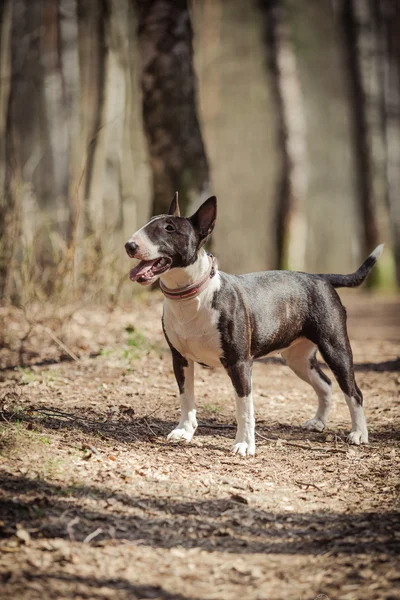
pixel 131 249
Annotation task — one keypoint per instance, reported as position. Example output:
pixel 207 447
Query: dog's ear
pixel 174 207
pixel 204 219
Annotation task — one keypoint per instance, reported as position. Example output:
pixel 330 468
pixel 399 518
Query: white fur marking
pixel 192 324
pixel 181 277
pixel 245 435
pixel 147 250
pixel 298 359
pixel 378 251
pixel 314 424
pixel 359 430
pixel 187 423
pixel 324 393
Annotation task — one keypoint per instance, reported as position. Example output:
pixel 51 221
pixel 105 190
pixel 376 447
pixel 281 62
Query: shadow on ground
pixel 100 587
pixel 166 522
pixel 152 429
pixel 388 366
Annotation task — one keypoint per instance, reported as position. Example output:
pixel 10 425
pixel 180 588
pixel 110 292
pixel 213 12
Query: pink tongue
pixel 143 269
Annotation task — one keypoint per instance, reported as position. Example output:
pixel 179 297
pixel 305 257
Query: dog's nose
pixel 131 248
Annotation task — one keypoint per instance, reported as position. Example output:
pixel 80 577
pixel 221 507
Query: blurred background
pixel 288 111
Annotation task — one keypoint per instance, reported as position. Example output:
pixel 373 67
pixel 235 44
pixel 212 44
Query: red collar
pixel 194 289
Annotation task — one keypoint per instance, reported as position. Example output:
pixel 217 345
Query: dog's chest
pixel 192 329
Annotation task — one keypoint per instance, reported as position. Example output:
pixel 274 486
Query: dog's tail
pixel 358 277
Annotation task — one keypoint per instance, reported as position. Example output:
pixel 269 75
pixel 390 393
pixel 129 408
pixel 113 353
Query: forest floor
pixel 94 503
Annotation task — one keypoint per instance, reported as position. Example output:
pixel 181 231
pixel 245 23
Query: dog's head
pixel 170 241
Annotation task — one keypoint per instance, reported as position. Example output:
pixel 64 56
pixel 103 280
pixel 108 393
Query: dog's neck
pixel 182 277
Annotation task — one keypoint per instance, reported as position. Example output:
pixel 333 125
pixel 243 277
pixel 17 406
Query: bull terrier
pixel 223 320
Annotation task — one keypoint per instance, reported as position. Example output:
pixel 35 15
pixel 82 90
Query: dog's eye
pixel 169 228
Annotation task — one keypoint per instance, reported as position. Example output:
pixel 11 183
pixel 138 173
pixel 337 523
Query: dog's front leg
pixel 184 373
pixel 240 374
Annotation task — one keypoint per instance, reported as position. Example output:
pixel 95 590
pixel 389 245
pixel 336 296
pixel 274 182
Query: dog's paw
pixel 244 449
pixel 357 437
pixel 181 435
pixel 314 424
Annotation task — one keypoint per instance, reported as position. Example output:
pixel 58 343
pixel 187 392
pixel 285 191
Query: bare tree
pixel 177 154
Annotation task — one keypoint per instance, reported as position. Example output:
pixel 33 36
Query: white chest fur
pixel 191 327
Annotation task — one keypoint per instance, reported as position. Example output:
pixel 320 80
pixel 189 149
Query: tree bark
pixel 29 172
pixel 5 78
pixel 360 133
pixel 70 74
pixel 290 226
pixel 92 24
pixel 387 21
pixel 177 154
pixel 7 216
pixel 270 9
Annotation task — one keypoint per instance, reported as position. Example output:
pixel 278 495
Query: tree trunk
pixel 69 59
pixel 290 223
pixel 92 23
pixel 177 154
pixel 5 78
pixel 387 20
pixel 55 114
pixel 361 139
pixel 7 216
pixel 29 166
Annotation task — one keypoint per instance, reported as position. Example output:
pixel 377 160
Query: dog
pixel 217 319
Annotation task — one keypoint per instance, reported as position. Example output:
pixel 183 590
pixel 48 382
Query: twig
pixel 150 414
pixel 53 412
pixel 3 416
pixel 60 343
pixel 216 426
pixel 302 446
pixel 92 535
pixel 48 412
pixel 32 324
pixel 308 484
pixel 146 417
pixel 150 429
pixel 70 525
pixel 282 441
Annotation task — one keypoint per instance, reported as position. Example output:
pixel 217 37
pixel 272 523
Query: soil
pixel 94 503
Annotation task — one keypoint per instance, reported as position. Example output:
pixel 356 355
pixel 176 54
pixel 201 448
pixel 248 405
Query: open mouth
pixel 145 272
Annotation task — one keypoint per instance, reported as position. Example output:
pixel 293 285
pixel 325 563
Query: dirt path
pixel 95 504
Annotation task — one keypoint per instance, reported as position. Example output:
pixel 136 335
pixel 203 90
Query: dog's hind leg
pixel 240 374
pixel 184 373
pixel 339 358
pixel 301 358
